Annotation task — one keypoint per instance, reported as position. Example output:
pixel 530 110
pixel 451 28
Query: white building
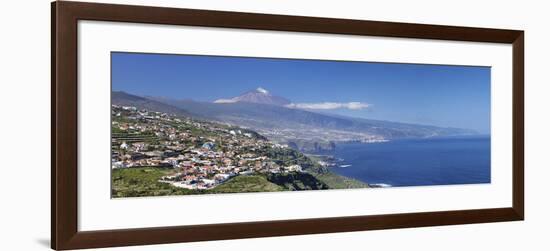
pixel 294 168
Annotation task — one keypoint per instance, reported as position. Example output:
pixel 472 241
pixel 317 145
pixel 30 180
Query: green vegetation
pixel 144 181
pixel 144 144
pixel 133 137
pixel 321 175
pixel 288 156
pixel 250 183
pixel 297 181
pixel 312 146
pixel 335 181
pixel 138 182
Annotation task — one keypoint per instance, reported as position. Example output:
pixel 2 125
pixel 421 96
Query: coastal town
pixel 201 154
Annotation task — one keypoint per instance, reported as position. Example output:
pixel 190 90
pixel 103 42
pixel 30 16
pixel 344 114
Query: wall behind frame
pixel 25 109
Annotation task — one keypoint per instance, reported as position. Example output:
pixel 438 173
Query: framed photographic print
pixel 177 125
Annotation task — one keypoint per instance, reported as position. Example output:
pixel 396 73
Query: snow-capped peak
pixel 259 96
pixel 262 90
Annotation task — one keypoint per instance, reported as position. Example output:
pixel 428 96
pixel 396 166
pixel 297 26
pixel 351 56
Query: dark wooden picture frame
pixel 64 193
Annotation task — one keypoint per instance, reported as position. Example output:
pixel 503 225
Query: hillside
pixel 155 154
pixel 261 116
pixel 302 129
pixel 125 99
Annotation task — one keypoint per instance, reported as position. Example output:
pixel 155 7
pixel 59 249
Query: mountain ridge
pixel 291 126
pixel 125 99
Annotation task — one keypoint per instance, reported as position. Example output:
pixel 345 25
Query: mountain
pixel 258 96
pixel 295 125
pixel 125 99
pixel 301 129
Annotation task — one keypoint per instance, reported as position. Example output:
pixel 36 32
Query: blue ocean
pixel 417 162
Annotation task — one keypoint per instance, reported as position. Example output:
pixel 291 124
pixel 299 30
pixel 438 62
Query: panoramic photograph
pixel 193 124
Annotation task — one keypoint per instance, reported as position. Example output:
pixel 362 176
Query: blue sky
pixel 450 96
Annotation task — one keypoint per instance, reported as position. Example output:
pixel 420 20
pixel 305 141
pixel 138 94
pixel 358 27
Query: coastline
pixel 335 180
pixel 436 161
pixel 155 154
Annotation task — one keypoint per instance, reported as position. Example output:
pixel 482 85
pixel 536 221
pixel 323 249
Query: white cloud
pixel 329 106
pixel 225 101
pixel 262 90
